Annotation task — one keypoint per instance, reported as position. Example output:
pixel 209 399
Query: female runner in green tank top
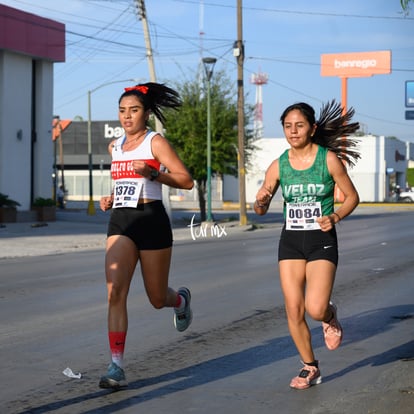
pixel 309 173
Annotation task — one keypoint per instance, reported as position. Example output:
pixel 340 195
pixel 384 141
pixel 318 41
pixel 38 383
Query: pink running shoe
pixel 308 376
pixel 332 330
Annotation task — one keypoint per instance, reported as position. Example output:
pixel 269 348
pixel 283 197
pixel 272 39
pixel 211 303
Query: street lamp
pixel 209 63
pixel 91 206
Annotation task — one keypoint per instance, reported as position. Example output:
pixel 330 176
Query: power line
pixel 298 62
pixel 301 12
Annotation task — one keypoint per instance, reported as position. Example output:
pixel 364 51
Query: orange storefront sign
pixel 351 65
pixel 59 125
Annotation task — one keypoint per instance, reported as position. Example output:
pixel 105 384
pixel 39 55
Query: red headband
pixel 139 88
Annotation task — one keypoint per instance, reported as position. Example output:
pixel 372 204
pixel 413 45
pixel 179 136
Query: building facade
pixel 382 166
pixel 29 46
pixel 74 170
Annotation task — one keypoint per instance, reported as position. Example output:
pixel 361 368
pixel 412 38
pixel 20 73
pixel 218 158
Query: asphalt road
pixel 237 356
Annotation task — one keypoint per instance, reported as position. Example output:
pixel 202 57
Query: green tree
pixel 405 4
pixel 187 131
pixel 410 177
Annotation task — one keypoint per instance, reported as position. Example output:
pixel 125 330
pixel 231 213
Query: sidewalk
pixel 37 239
pixel 75 230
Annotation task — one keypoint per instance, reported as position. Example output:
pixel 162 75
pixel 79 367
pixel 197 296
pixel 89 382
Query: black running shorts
pixel 308 245
pixel 148 225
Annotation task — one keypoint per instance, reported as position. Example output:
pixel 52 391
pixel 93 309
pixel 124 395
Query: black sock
pixel 313 364
pixel 332 316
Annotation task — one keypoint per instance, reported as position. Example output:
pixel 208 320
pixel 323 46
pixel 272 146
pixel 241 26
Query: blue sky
pixel 284 39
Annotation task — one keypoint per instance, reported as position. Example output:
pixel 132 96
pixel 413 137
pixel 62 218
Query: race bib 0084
pixel 302 216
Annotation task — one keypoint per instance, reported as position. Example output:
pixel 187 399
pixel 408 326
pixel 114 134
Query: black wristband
pixel 337 215
pixel 154 174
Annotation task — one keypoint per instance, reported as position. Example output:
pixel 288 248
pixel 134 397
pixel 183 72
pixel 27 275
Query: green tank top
pixel 311 185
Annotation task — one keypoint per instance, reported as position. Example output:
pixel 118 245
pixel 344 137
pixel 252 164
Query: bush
pixel 410 177
pixel 5 201
pixel 43 202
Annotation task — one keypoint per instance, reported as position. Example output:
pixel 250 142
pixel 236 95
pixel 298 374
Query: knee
pixel 158 302
pixel 116 294
pixel 295 314
pixel 317 313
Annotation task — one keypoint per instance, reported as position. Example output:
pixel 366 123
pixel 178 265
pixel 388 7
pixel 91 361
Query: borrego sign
pixel 361 64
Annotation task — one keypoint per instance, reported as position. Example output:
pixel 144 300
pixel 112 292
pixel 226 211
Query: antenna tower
pixel 201 37
pixel 259 79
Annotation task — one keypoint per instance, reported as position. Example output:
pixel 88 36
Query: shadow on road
pixel 357 328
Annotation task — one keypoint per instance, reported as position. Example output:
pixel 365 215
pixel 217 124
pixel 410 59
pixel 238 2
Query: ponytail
pixel 333 127
pixel 155 97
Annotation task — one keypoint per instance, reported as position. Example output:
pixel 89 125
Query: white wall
pixel 15 115
pixel 15 74
pixel 267 150
pixel 367 174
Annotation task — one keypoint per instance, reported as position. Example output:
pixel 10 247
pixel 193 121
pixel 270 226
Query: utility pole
pixel 238 52
pixel 142 15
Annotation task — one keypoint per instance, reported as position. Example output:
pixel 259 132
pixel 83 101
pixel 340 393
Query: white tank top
pixel 121 166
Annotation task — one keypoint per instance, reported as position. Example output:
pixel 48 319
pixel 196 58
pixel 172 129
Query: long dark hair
pixel 154 96
pixel 332 127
